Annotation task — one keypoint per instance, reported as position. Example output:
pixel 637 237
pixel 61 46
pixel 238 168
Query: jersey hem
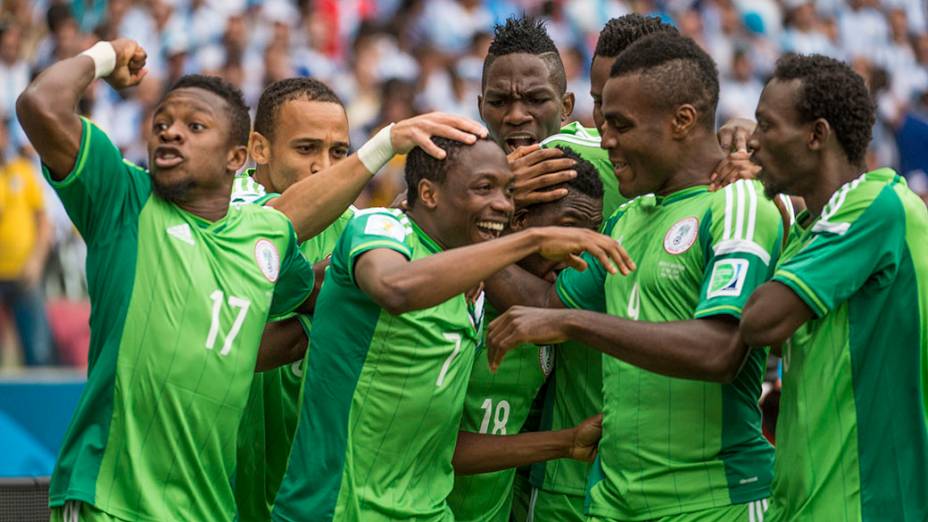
pixel 676 510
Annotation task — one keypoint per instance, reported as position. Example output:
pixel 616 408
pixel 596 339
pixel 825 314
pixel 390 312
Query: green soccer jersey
pixel 382 394
pixel 178 308
pixel 673 446
pixel 585 142
pixel 852 435
pixel 266 431
pixel 574 393
pixel 497 404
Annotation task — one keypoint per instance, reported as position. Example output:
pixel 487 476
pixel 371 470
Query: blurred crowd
pixel 387 60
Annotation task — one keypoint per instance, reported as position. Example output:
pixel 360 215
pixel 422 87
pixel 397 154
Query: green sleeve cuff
pixel 804 291
pixel 78 162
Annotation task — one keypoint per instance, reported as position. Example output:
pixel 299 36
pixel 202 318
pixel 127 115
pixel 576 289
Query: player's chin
pixel 171 186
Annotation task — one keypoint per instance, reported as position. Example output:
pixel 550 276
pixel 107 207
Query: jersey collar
pixel 681 194
pixel 424 238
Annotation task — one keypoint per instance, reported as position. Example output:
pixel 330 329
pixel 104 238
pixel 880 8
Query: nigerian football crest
pixel 268 259
pixel 681 236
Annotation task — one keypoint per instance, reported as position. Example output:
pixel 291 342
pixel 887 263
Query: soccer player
pixel 394 339
pixel 300 131
pixel 498 402
pixel 848 304
pixel 180 285
pixel 673 446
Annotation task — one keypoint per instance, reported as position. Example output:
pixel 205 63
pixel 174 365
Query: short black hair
pixel 678 70
pixel 421 165
pixel 587 181
pixel 283 91
pixel 526 35
pixel 239 120
pixel 830 89
pixel 625 30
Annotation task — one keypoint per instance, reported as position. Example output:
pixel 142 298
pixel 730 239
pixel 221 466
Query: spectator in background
pixel 740 89
pixel 805 33
pixel 14 71
pixel 25 238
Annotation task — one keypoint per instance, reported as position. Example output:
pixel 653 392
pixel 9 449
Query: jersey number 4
pixel 235 302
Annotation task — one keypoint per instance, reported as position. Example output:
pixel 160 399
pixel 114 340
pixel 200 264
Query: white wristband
pixel 377 151
pixel 104 58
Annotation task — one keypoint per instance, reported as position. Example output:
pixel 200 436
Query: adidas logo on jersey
pixel 182 232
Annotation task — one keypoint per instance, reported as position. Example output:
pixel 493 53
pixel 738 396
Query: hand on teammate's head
pixel 536 169
pixel 419 130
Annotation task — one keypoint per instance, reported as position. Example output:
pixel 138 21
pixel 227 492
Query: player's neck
pixel 833 173
pixel 211 207
pixel 427 224
pixel 697 162
pixel 263 176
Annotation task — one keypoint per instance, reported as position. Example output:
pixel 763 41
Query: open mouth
pixel 167 157
pixel 619 166
pixel 491 229
pixel 514 141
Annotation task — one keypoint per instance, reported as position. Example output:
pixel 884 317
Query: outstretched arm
pixel 400 286
pixel 312 204
pixel 46 108
pixel 705 349
pixel 481 453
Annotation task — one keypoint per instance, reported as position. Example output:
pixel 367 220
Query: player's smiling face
pixel 190 150
pixel 780 141
pixel 575 210
pixel 308 137
pixel 520 103
pixel 475 200
pixel 636 134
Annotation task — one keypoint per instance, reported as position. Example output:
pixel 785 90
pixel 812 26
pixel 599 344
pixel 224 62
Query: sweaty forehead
pixel 779 99
pixel 484 157
pixel 193 98
pixel 314 119
pixel 520 71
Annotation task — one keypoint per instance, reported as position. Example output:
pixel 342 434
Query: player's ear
pixel 684 119
pixel 260 148
pixel 819 134
pixel 428 193
pixel 518 221
pixel 236 158
pixel 567 106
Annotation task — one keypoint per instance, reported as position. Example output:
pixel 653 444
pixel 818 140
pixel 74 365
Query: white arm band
pixel 377 151
pixel 104 59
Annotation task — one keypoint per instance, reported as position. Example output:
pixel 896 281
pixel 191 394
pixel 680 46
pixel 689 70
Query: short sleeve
pixel 295 283
pixel 586 290
pixel 103 191
pixel 369 230
pixel 583 290
pixel 743 234
pixel 858 245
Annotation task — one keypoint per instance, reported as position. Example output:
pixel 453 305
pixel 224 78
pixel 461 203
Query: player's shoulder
pixel 743 199
pixel 389 223
pixel 262 215
pixel 624 209
pixel 573 134
pixel 872 195
pixel 245 190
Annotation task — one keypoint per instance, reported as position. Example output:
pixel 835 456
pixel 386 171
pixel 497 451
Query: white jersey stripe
pixel 752 210
pixel 741 246
pixel 739 211
pixel 594 143
pixel 728 202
